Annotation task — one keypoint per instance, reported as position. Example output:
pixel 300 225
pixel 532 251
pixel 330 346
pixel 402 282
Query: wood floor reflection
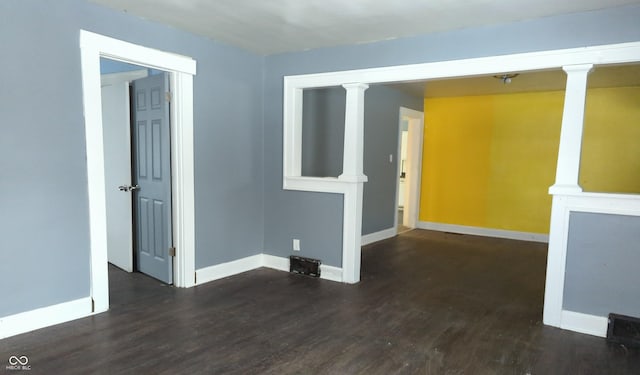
pixel 428 303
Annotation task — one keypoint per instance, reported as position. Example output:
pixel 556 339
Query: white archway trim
pixel 555 59
pixel 93 46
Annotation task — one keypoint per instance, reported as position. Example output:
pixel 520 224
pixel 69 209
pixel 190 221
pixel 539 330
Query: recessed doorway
pixel 136 129
pixel 410 143
pixel 181 69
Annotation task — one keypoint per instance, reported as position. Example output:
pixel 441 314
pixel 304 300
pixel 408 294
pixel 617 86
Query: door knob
pixel 128 187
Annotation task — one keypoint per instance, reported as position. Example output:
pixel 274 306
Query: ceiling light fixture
pixel 506 78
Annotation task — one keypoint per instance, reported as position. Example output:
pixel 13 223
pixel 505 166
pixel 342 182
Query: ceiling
pixel 547 80
pixel 273 26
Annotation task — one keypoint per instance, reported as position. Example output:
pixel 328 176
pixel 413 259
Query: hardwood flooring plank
pixel 428 303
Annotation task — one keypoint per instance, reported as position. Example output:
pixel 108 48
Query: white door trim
pixel 521 62
pixel 114 78
pixel 92 47
pixel 414 158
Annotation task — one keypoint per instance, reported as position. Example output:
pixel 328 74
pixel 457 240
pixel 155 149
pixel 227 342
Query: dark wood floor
pixel 428 303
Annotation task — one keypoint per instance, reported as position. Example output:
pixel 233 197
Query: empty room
pixel 213 187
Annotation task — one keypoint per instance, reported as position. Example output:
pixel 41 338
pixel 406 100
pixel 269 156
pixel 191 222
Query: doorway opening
pixel 181 70
pixel 136 133
pixel 410 143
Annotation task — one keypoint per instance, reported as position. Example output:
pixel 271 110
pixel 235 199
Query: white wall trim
pixel 603 54
pixel 561 209
pixel 43 317
pixel 414 166
pixel 331 273
pixel 521 62
pixel 282 264
pixel 486 232
pixel 92 47
pixel 569 150
pixel 276 263
pixel 51 315
pixel 378 236
pixel 585 323
pixel 115 78
pixel 119 50
pixel 220 271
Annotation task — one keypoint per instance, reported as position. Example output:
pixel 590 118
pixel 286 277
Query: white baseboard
pixel 584 323
pixel 378 236
pixel 330 273
pixel 43 317
pixel 487 232
pixel 51 315
pixel 220 271
pixel 276 263
pixel 282 264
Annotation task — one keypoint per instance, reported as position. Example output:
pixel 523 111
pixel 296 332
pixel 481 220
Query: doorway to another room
pixel 177 141
pixel 136 133
pixel 410 140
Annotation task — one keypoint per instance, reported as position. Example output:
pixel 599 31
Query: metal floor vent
pixel 304 266
pixel 624 330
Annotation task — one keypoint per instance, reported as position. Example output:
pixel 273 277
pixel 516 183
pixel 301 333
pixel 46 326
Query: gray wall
pixel 381 131
pixel 316 218
pixel 323 145
pixel 108 66
pixel 603 255
pixel 44 246
pixel 323 131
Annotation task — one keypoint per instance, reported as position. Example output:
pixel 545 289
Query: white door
pixel 117 169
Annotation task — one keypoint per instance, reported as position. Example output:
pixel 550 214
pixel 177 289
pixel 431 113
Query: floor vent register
pixel 304 266
pixel 624 330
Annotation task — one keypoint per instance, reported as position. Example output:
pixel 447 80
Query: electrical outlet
pixel 296 244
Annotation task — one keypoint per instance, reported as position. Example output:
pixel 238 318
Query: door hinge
pixel 172 251
pixel 167 96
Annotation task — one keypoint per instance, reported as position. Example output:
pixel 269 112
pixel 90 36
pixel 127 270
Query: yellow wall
pixel 611 143
pixel 488 161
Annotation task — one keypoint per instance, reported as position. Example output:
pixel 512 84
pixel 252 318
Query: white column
pixel 354 133
pixel 352 233
pixel 567 174
pixel 352 172
pixel 556 262
pixel 568 167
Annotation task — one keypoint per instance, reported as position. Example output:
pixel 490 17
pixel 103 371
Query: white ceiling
pixel 274 26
